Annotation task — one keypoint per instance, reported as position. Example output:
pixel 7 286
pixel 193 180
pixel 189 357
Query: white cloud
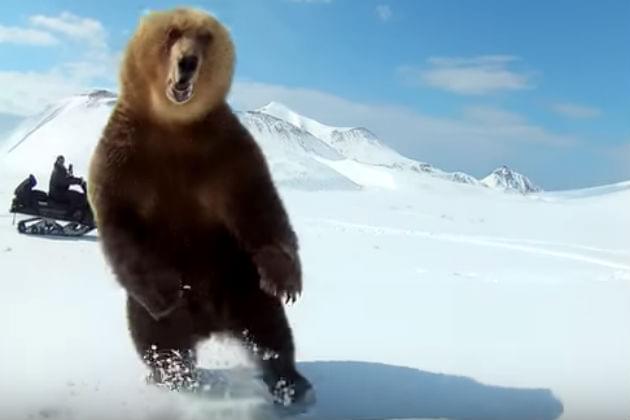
pixel 50 30
pixel 25 93
pixel 480 75
pixel 576 111
pixel 102 66
pixel 77 28
pixel 26 36
pixel 478 139
pixel 384 12
pixel 509 125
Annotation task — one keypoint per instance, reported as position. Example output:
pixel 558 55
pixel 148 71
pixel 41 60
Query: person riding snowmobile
pixel 59 188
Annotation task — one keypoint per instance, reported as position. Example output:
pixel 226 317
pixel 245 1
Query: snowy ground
pixel 423 298
pixel 528 294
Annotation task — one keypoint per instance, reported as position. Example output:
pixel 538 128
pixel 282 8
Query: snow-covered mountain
pixel 302 152
pixel 361 145
pixel 356 143
pixel 295 156
pixel 70 127
pixel 73 126
pixel 506 179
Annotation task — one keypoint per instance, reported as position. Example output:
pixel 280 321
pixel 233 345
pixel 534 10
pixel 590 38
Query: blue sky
pixel 543 86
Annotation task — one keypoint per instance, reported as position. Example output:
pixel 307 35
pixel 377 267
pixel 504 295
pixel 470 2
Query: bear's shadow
pixel 361 391
pixel 348 390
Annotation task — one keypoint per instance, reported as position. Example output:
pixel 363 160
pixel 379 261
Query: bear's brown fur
pixel 188 216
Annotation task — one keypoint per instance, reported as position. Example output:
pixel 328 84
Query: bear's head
pixel 178 65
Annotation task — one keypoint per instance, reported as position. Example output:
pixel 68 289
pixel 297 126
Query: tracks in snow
pixel 521 245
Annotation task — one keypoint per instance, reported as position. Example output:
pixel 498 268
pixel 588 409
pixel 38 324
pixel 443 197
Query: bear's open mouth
pixel 180 93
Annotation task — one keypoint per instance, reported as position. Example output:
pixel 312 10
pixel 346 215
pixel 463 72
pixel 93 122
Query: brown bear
pixel 189 218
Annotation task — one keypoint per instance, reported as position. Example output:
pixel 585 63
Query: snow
pixel 593 191
pixel 423 298
pixel 355 143
pixel 318 129
pixel 358 144
pixel 296 157
pixel 365 175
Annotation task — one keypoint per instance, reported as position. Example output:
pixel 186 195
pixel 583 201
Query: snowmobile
pixel 49 215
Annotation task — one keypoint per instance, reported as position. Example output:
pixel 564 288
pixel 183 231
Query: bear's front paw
pixel 280 273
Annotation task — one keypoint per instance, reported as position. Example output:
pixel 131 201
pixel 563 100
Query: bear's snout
pixel 187 65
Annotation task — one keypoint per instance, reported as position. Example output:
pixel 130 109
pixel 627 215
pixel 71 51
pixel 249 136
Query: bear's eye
pixel 172 35
pixel 206 37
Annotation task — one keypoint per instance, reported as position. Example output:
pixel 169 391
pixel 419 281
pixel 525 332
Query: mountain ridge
pixel 302 151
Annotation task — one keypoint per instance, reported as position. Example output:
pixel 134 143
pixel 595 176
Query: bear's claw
pixel 280 273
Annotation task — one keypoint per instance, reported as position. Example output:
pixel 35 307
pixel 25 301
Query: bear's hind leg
pixel 166 346
pixel 261 324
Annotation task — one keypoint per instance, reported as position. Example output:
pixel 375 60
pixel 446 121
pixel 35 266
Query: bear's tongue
pixel 182 95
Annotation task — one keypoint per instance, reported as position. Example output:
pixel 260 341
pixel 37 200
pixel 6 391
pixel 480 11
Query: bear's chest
pixel 177 193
